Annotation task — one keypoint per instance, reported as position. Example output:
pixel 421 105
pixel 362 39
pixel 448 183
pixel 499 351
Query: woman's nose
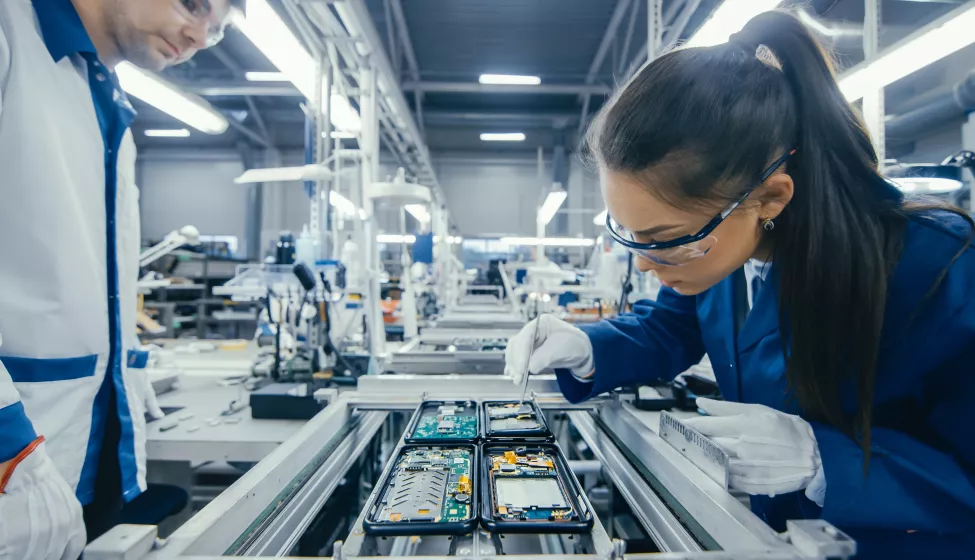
pixel 644 265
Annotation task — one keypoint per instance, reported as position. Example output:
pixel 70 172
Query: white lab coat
pixel 54 301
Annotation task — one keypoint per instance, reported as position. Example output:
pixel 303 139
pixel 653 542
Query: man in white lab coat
pixel 72 431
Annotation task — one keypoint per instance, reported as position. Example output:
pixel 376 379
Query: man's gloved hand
pixel 40 517
pixel 556 344
pixel 771 452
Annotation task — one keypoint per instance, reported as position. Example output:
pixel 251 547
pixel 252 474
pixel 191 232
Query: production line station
pixel 343 392
pixel 438 457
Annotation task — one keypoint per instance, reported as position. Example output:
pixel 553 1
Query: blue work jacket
pixel 918 499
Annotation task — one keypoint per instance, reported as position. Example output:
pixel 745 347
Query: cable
pixel 627 285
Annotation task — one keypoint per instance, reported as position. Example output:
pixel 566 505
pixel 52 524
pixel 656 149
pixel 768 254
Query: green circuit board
pixel 447 421
pixel 461 427
pixel 429 485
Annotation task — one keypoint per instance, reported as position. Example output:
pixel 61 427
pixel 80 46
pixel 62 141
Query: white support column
pixel 654 28
pixel 873 101
pixel 968 143
pixel 369 144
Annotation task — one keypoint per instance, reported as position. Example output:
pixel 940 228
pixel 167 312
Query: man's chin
pixel 152 61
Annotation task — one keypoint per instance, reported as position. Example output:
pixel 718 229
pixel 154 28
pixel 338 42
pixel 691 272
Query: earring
pixel 768 224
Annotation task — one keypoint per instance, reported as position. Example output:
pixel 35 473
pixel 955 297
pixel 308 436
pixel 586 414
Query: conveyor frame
pixel 268 509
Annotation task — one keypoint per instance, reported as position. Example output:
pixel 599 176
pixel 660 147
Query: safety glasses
pixel 687 248
pixel 197 12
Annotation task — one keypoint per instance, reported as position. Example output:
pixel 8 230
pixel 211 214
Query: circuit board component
pixel 446 421
pixel 526 486
pixel 512 417
pixel 469 344
pixel 428 485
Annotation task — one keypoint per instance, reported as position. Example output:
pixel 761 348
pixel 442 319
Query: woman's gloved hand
pixel 771 452
pixel 551 343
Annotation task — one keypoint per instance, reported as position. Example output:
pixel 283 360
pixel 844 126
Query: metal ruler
pixel 704 453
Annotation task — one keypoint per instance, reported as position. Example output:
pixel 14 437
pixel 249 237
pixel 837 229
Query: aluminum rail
pixel 710 512
pixel 239 510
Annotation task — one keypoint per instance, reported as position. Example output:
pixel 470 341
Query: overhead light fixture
pixel 509 80
pixel 167 133
pixel 927 185
pixel 600 219
pixel 268 32
pixel 951 33
pixel 451 240
pixel 311 172
pixel 548 241
pixel 169 99
pixel 266 77
pixel 392 238
pixel 503 137
pixel 728 18
pixel 338 135
pixel 553 201
pixel 419 212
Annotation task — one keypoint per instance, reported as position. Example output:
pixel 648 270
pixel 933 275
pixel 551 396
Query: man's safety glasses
pixel 687 248
pixel 197 12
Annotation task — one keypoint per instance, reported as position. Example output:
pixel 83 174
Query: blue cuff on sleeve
pixel 16 431
pixel 574 389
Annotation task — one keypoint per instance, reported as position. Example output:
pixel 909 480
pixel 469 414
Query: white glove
pixel 771 452
pixel 143 387
pixel 556 344
pixel 40 517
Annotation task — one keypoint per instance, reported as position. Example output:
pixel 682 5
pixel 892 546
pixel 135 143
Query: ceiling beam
pixel 404 35
pixel 473 87
pixel 672 35
pixel 608 37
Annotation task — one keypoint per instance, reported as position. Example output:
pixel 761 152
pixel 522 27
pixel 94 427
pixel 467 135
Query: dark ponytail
pixel 840 240
pixel 701 124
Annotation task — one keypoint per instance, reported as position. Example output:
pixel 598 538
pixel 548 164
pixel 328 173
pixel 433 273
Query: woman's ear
pixel 774 195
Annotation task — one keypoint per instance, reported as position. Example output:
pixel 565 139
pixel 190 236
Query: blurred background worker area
pixel 615 279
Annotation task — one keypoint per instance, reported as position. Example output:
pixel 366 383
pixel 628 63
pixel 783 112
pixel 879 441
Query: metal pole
pixel 369 144
pixel 873 101
pixel 324 140
pixel 654 28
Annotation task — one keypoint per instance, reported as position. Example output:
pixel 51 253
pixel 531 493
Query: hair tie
pixel 739 40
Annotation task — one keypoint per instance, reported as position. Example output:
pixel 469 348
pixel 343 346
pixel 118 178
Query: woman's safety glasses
pixel 687 248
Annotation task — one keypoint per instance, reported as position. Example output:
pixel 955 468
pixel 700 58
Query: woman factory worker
pixel 839 317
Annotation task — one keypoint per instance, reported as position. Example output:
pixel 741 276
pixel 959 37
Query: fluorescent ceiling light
pixel 419 212
pixel 509 80
pixel 337 135
pixel 933 42
pixel 451 240
pixel 392 238
pixel 553 201
pixel 600 219
pixel 266 77
pixel 549 241
pixel 285 174
pixel 728 18
pixel 929 185
pixel 503 137
pixel 170 99
pixel 271 36
pixel 167 133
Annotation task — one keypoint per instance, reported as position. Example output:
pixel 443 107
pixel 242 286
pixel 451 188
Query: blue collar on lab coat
pixel 61 27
